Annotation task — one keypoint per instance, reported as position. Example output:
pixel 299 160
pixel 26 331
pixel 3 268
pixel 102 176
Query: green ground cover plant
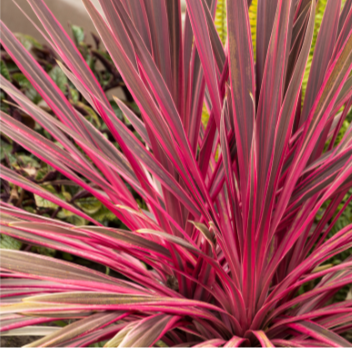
pixel 16 157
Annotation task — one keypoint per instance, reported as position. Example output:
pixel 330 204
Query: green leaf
pixel 43 203
pixel 27 87
pixel 59 144
pixel 120 114
pixel 28 41
pixel 134 107
pixel 21 80
pixel 90 60
pixel 117 110
pixel 30 209
pixel 65 195
pixel 104 215
pixel 89 205
pixel 74 94
pixel 60 323
pixel 76 220
pixel 4 71
pixel 3 106
pixel 106 55
pixel 5 148
pixel 78 34
pixel 98 344
pixel 28 160
pixel 67 256
pixel 7 242
pixel 59 78
pixel 92 116
pixel 43 171
pixel 11 66
pixel 43 250
pixel 71 218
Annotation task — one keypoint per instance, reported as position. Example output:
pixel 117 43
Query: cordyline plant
pixel 229 235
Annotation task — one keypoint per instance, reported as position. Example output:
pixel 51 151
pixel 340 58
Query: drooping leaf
pixel 59 78
pixel 3 70
pixel 78 34
pixel 7 242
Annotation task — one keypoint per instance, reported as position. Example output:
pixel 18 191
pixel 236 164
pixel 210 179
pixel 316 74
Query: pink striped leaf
pixel 320 333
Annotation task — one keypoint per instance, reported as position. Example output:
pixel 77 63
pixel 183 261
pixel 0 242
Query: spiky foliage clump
pixel 221 252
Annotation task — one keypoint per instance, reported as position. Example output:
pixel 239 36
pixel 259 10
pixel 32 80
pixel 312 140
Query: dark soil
pixel 17 341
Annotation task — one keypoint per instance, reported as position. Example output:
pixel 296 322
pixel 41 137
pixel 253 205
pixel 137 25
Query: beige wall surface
pixel 66 11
